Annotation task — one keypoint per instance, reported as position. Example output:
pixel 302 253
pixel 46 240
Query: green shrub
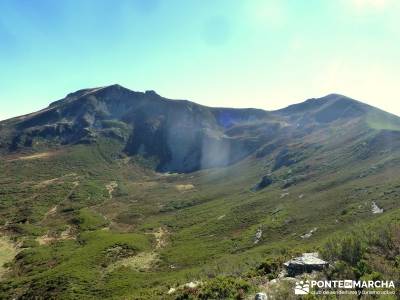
pixel 27 229
pixel 224 288
pixel 221 287
pixel 89 220
pixel 271 267
pixel 348 248
pixel 114 124
pixel 29 243
pixel 351 250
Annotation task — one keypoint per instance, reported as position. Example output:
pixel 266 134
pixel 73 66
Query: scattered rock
pixel 261 296
pixel 160 236
pixel 192 284
pixel 221 217
pixel 376 209
pixel 189 285
pixel 306 263
pixel 283 195
pixel 258 236
pixel 309 234
pixel 282 274
pixel 111 187
pixel 171 291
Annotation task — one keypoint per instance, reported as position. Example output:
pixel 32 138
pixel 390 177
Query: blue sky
pixel 258 53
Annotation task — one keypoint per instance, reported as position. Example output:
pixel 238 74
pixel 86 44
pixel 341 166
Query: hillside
pixel 181 135
pixel 115 194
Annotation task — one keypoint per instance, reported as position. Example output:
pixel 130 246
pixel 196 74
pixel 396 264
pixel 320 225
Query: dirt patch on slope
pixel 145 184
pixel 46 239
pixel 57 180
pixel 144 261
pixel 111 187
pixel 161 237
pixel 141 262
pixel 51 211
pixel 33 156
pixel 184 187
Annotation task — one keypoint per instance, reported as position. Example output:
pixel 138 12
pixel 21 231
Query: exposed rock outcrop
pixel 375 208
pixel 309 234
pixel 306 263
pixel 261 296
pixel 258 235
pixel 264 182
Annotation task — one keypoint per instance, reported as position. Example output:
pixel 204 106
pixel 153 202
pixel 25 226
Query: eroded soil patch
pixel 33 156
pixel 46 239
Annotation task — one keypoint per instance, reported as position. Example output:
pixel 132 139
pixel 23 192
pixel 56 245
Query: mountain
pixel 180 135
pixel 115 194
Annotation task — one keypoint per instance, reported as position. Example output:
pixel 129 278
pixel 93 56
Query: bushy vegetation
pixel 369 253
pixel 78 264
pixel 209 230
pixel 271 267
pixel 217 288
pixel 89 220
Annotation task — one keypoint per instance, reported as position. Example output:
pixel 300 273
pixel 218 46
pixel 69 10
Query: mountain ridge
pixel 81 92
pixel 180 135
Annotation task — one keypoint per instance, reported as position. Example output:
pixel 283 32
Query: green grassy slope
pixel 89 222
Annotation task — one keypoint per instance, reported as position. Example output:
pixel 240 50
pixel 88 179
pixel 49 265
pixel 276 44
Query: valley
pixel 114 194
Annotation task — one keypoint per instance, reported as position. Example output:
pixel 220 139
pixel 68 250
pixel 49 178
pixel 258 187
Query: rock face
pixel 306 263
pixel 264 182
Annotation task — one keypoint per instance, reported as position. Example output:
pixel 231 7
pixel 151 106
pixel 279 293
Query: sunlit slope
pixel 69 220
pixel 91 219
